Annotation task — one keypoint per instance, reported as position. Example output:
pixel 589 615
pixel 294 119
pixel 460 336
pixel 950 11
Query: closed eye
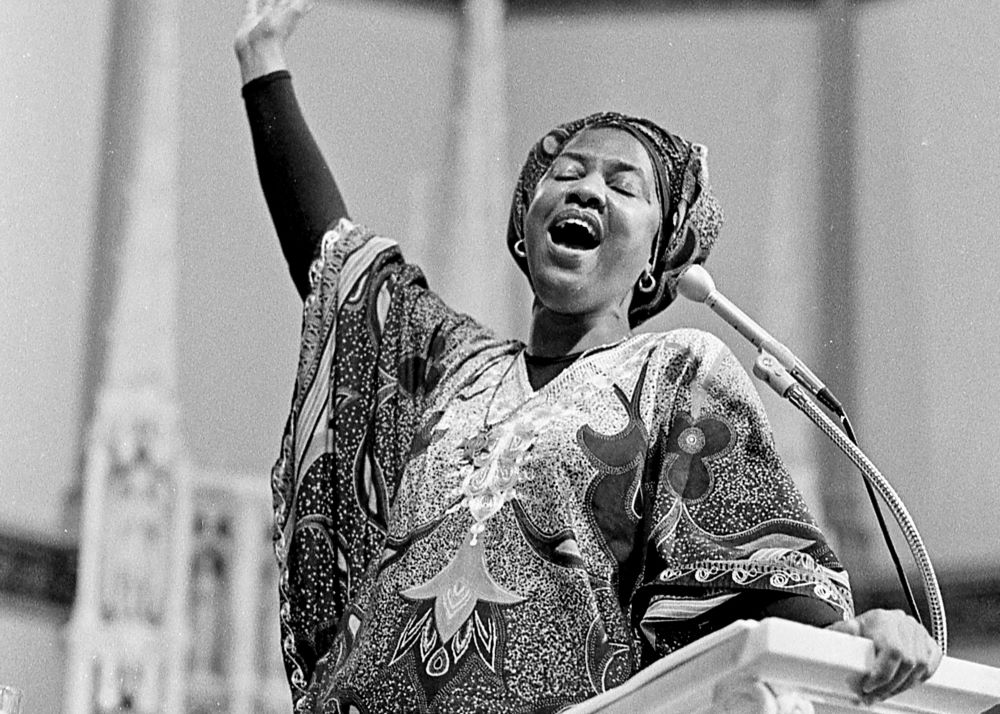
pixel 626 187
pixel 565 169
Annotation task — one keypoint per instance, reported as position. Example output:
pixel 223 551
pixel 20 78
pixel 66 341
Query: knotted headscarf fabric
pixel 690 216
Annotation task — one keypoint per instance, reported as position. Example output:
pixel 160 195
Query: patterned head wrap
pixel 690 220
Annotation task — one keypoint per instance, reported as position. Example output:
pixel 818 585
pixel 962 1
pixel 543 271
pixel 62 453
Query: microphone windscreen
pixel 695 284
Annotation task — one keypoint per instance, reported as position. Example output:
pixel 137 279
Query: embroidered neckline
pixel 493 456
pixel 593 358
pixel 545 360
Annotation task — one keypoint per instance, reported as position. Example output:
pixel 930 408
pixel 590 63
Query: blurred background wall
pixel 920 275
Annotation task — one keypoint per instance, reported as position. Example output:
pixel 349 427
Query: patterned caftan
pixel 452 540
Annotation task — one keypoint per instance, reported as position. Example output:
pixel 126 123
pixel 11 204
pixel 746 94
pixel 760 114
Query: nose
pixel 588 192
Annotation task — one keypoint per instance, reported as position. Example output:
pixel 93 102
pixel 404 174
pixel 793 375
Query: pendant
pixel 478 445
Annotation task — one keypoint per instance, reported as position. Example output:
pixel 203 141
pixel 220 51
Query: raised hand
pixel 264 31
pixel 905 655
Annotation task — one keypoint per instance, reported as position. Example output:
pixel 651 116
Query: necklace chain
pixel 496 389
pixel 494 455
pixel 482 441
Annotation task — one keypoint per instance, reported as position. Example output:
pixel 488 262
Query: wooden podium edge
pixel 732 634
pixel 822 664
pixel 831 663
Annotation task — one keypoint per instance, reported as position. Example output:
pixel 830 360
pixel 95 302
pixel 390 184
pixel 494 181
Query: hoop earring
pixel 518 248
pixel 647 283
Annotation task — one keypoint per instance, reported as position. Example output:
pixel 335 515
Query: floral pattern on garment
pixel 450 539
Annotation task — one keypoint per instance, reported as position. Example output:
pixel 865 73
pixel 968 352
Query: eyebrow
pixel 617 165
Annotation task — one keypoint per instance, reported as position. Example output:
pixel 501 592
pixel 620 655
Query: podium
pixel 780 667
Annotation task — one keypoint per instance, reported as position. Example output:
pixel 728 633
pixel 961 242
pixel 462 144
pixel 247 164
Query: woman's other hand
pixel 261 37
pixel 905 655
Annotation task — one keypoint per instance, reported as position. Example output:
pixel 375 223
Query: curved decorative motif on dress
pixel 690 443
pixel 369 484
pixel 616 489
pixel 608 663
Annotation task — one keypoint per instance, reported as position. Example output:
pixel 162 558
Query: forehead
pixel 609 144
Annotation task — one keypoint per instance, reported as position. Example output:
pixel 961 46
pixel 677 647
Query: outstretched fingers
pixel 292 8
pixel 252 9
pixel 276 13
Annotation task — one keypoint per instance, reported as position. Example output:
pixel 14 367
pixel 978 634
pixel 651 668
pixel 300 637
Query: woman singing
pixel 466 523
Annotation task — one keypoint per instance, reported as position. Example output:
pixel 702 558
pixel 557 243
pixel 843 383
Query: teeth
pixel 578 222
pixel 576 231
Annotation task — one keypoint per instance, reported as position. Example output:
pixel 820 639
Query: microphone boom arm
pixel 696 284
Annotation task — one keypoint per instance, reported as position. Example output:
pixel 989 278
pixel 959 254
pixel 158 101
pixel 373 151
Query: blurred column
pixel 478 199
pixel 845 503
pixel 786 266
pixel 127 633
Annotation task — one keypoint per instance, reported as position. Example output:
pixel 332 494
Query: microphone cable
pixel 903 581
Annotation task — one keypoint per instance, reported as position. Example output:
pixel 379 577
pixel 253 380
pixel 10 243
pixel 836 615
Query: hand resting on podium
pixel 905 654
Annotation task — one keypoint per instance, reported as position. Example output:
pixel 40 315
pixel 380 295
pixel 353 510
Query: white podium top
pixel 777 666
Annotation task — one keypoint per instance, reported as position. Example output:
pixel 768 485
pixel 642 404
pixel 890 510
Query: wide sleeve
pixel 725 523
pixel 376 343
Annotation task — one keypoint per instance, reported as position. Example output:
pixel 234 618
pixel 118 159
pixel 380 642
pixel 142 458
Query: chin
pixel 576 288
pixel 565 297
pixel 558 290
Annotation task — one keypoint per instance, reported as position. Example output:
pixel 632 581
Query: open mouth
pixel 576 231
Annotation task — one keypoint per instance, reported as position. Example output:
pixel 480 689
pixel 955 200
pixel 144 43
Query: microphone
pixel 697 285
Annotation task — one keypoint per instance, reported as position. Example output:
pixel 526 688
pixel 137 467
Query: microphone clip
pixel 769 369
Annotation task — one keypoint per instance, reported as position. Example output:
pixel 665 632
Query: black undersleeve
pixel 800 608
pixel 299 188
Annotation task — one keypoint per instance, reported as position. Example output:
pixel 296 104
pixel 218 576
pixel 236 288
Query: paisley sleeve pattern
pixel 723 515
pixel 375 344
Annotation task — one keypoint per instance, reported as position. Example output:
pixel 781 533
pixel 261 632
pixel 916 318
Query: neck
pixel 555 334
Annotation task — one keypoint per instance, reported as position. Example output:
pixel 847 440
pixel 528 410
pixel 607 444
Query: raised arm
pixel 299 188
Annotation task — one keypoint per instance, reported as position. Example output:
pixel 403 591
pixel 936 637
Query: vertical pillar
pixel 127 633
pixel 478 198
pixel 786 261
pixel 246 686
pixel 844 501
